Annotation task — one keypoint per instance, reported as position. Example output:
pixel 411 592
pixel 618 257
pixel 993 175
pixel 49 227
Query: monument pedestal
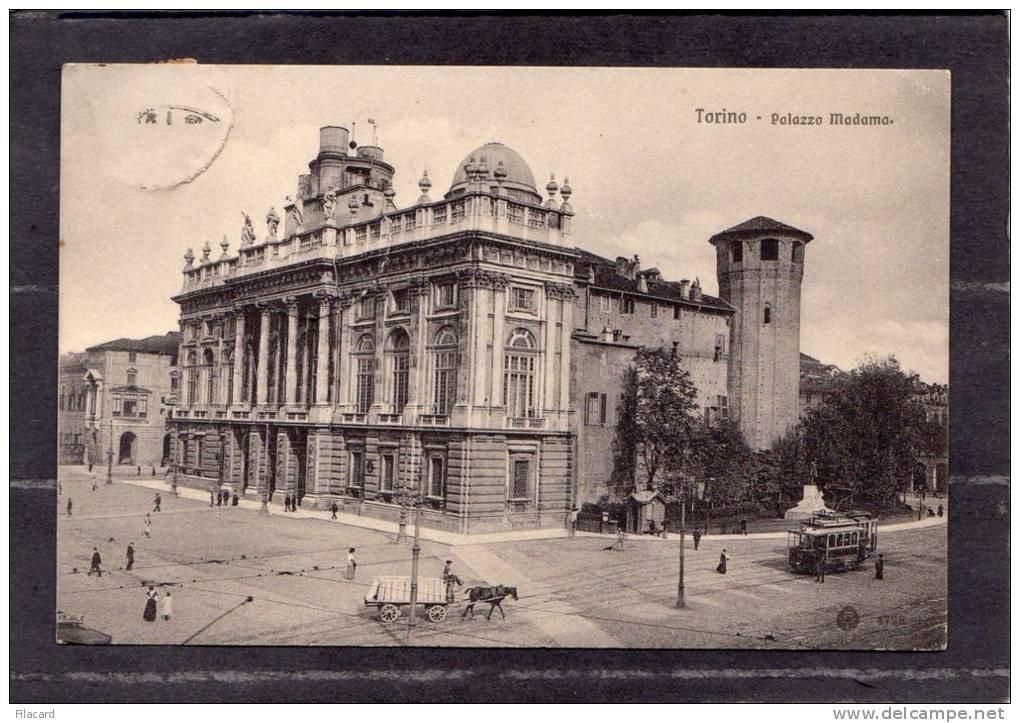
pixel 810 505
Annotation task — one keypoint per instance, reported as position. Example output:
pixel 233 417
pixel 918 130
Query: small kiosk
pixel 642 508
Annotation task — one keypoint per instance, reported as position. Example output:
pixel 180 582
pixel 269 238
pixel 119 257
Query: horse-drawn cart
pixel 390 594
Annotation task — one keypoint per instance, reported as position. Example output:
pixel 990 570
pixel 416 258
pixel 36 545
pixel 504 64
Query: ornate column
pixel 262 369
pixel 239 350
pixel 567 328
pixel 292 319
pixel 343 343
pixel 325 300
pixel 418 392
pixel 500 282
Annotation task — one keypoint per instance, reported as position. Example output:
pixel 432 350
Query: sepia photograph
pixel 527 357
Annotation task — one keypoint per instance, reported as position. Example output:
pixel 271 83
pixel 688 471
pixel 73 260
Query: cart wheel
pixel 437 613
pixel 389 613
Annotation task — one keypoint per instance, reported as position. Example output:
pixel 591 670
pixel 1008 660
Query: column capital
pixel 291 304
pixel 325 296
pixel 346 298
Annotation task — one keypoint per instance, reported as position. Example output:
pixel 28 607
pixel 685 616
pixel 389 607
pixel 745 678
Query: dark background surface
pixel 975 665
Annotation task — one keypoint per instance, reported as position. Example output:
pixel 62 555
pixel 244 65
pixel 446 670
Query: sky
pixel 647 177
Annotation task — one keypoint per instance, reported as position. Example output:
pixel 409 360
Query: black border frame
pixel 973 46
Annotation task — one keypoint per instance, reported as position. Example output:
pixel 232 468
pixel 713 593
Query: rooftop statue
pixel 247 231
pixel 272 222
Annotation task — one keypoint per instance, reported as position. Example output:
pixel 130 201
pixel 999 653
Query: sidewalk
pixel 455 539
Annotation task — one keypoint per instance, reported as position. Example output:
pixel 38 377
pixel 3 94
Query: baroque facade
pixel 462 347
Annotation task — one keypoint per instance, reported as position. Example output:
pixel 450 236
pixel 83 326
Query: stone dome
pixel 519 181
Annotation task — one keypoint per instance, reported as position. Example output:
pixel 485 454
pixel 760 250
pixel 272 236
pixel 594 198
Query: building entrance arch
pixel 128 448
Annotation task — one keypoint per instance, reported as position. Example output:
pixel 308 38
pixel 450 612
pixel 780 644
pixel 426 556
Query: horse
pixel 492 595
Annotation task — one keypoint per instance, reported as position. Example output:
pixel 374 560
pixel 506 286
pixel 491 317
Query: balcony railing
pixel 390 418
pixel 434 420
pixel 524 423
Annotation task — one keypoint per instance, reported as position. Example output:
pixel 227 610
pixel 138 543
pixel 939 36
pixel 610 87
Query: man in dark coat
pixel 158 501
pixel 68 506
pixel 743 527
pixel 333 509
pixel 820 566
pixel 880 567
pixel 286 502
pixel 96 562
pixel 697 538
pixel 130 557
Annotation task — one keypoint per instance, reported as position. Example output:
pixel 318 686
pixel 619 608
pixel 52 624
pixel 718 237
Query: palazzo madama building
pixel 364 348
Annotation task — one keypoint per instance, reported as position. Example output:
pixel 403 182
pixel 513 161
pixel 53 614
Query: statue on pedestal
pixel 329 205
pixel 294 211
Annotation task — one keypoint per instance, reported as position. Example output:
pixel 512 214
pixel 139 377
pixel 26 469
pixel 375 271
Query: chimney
pixel 696 290
pixel 683 288
pixel 642 283
pixel 623 267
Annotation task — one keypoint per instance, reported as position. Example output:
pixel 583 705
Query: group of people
pixel 152 604
pixel 290 503
pixel 221 498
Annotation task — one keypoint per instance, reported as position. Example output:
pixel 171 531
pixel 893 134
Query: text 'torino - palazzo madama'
pixel 462 347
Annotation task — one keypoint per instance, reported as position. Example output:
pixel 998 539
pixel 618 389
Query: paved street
pixel 240 577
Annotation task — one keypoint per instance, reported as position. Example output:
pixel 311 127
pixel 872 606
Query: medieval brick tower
pixel 760 265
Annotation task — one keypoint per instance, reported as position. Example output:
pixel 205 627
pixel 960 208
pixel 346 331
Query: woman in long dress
pixel 150 605
pixel 721 567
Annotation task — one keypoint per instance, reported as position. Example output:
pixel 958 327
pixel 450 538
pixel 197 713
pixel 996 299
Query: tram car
pixel 844 540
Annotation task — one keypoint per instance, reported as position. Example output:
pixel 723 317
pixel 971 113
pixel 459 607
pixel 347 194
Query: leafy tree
pixel 864 438
pixel 782 473
pixel 656 421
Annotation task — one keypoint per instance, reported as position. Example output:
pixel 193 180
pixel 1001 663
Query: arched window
pixel 519 364
pixel 365 353
pixel 767 315
pixel 444 356
pixel 192 378
pixel 212 376
pixel 400 362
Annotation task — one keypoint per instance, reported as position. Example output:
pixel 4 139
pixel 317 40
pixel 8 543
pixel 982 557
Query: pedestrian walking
pixel 880 567
pixel 450 578
pixel 158 501
pixel 286 503
pixel 721 567
pixel 95 485
pixel 148 525
pixel 743 527
pixel 168 606
pixel 942 510
pixel 151 600
pixel 333 510
pixel 90 467
pixel 697 538
pixel 352 565
pixel 234 503
pixel 130 556
pixel 573 521
pixel 820 565
pixel 96 562
pixel 211 498
pixel 69 505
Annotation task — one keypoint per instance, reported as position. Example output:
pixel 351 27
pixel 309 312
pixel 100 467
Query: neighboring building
pixel 463 347
pixel 934 466
pixel 115 396
pixel 815 378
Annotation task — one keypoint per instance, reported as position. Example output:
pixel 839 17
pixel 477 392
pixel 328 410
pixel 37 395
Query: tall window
pixel 209 361
pixel 357 473
pixel 401 301
pixel 400 362
pixel 444 355
pixel 365 352
pixel 627 305
pixel 437 476
pixel 192 378
pixel 767 315
pixel 388 472
pixel 738 252
pixel 519 374
pixel 604 303
pixel 132 377
pixel 595 409
pixel 720 346
pixel 132 357
pixel 366 307
pixel 520 477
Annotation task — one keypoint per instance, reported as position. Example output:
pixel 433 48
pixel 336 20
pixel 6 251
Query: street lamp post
pixel 109 454
pixel 681 596
pixel 415 554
